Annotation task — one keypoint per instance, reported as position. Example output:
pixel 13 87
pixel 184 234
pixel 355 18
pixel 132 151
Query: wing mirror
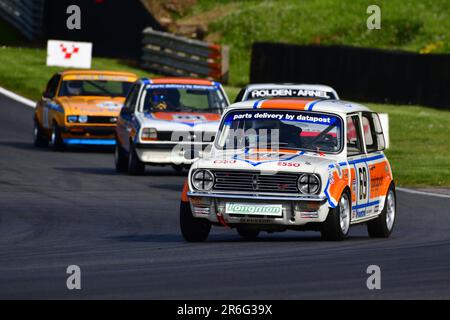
pixel 47 95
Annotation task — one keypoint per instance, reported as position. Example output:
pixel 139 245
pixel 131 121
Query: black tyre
pixel 337 224
pixel 39 137
pixel 193 229
pixel 247 233
pixel 179 169
pixel 56 138
pixel 120 158
pixel 382 226
pixel 135 165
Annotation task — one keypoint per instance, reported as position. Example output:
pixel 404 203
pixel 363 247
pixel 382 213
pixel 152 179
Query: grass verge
pixel 419 149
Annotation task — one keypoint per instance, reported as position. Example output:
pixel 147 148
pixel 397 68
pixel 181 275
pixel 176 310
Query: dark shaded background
pixel 114 28
pixel 358 73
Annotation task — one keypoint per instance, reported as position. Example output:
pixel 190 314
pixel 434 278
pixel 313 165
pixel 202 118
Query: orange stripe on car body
pixel 380 179
pixel 339 183
pixel 289 104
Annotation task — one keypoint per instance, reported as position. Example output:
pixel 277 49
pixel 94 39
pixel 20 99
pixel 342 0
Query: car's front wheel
pixel 120 158
pixel 193 229
pixel 382 226
pixel 337 224
pixel 135 165
pixel 39 137
pixel 56 138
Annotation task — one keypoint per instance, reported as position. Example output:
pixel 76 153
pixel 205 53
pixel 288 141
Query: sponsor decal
pixel 287 92
pixel 110 105
pixel 376 182
pixel 376 209
pixel 188 117
pixel 98 77
pixel 282 116
pixel 225 161
pixel 309 215
pixel 360 214
pixel 69 54
pixel 253 220
pixel 275 210
pixel 288 164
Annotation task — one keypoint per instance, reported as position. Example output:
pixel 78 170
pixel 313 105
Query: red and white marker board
pixel 69 54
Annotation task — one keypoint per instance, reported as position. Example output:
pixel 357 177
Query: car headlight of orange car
pixel 72 119
pixel 75 119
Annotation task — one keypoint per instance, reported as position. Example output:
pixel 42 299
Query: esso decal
pixel 289 164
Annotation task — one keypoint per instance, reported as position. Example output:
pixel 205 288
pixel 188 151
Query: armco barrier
pixel 25 15
pixel 358 73
pixel 165 53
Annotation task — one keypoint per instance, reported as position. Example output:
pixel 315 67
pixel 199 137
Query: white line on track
pixel 32 104
pixel 16 97
pixel 423 193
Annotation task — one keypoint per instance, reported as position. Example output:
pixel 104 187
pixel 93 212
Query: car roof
pixel 96 72
pixel 176 80
pixel 320 105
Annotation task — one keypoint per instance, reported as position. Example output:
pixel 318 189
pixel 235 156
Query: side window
pixel 373 133
pixel 52 86
pixel 354 145
pixel 130 102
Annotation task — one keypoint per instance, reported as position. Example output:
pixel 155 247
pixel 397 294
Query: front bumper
pixel 89 135
pixel 296 210
pixel 167 152
pixel 83 132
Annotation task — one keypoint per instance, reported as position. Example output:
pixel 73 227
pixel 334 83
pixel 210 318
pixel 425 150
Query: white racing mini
pixel 281 164
pixel 286 90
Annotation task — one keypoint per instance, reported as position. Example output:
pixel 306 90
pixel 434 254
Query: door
pixel 356 158
pixel 376 161
pixel 47 102
pixel 125 121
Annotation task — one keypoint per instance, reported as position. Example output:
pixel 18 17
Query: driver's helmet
pixel 165 99
pixel 75 87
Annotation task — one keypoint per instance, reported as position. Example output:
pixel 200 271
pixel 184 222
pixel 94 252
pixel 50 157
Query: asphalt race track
pixel 59 209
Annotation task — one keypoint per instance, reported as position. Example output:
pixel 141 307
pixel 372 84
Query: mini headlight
pixel 202 180
pixel 148 134
pixel 82 119
pixel 308 184
pixel 72 119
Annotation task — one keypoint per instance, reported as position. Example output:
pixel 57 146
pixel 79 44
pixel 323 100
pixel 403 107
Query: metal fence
pixel 165 53
pixel 361 74
pixel 25 15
